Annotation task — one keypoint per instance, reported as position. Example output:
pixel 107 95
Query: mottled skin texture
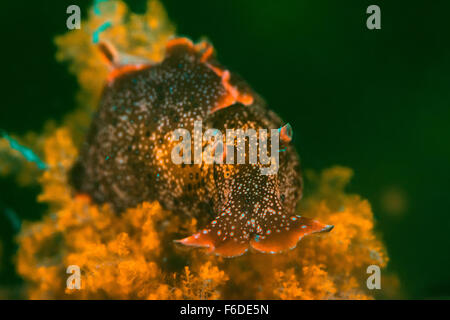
pixel 126 158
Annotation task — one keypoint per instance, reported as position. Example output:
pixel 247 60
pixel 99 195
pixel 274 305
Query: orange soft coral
pixel 132 256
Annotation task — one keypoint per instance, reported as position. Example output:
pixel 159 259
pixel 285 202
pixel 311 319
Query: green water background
pixel 375 101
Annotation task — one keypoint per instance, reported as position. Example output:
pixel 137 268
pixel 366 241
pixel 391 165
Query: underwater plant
pixel 127 251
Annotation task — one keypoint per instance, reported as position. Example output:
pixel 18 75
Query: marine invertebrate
pixel 131 255
pixel 128 155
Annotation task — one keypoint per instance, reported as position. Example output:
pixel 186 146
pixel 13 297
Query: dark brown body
pixel 127 155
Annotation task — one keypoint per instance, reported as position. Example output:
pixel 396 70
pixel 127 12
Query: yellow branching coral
pixel 121 256
pixel 132 256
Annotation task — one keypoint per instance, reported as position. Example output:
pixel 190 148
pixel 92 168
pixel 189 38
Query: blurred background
pixel 377 101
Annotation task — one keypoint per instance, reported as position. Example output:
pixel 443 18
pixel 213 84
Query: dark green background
pixel 376 101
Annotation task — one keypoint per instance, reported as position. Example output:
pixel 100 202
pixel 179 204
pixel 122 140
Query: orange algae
pixel 132 255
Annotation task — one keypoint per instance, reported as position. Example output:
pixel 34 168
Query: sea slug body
pixel 126 158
